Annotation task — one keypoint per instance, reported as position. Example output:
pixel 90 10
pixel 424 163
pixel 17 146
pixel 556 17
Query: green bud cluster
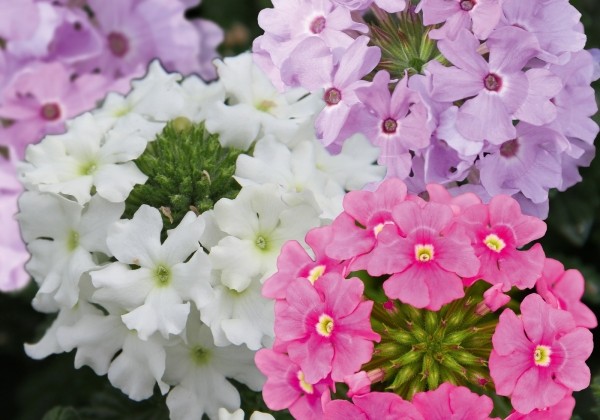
pixel 404 41
pixel 421 349
pixel 187 169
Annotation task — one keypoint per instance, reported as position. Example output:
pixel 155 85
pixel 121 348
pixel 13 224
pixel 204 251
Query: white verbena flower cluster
pixel 150 301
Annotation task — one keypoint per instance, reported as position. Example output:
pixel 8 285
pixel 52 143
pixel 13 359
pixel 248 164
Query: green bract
pixel 187 169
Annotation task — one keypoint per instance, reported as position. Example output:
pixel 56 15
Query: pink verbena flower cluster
pixel 491 93
pixel 59 58
pixel 400 294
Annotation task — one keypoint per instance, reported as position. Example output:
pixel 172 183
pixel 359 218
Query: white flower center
pixel 424 252
pixel 200 355
pixel 541 356
pixel 325 325
pixel 162 275
pixel 315 273
pixel 494 242
pixel 305 386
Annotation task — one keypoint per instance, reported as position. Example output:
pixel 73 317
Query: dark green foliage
pixel 187 170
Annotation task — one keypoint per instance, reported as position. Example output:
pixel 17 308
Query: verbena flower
pixel 490 85
pixel 431 278
pixel 150 251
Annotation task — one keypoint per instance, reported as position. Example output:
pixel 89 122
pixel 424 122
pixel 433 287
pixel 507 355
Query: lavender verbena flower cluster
pixel 59 58
pixel 489 96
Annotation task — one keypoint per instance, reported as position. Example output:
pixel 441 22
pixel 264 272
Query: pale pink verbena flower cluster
pixel 494 94
pixel 162 296
pixel 59 58
pixel 402 295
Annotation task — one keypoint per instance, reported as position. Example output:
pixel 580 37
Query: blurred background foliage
pixel 52 389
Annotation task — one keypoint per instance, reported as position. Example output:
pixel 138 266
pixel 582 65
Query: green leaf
pixel 62 413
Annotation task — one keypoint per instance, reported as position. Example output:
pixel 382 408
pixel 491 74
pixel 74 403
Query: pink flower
pixel 497 230
pixel 365 214
pixel 287 387
pixel 293 262
pixel 453 402
pixel 439 194
pixel 372 406
pixel 13 254
pixel 390 6
pixel 539 357
pixel 312 66
pixel 561 411
pixel 395 122
pixel 563 290
pixel 327 326
pixel 426 265
pixel 498 88
pixel 38 107
pixel 481 15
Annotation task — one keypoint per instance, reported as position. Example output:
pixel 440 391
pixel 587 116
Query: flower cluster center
pixel 118 44
pixel 424 252
pixel 325 325
pixel 541 356
pixel 494 242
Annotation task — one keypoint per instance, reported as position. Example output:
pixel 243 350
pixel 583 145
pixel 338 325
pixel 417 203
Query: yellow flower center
pixel 494 242
pixel 325 325
pixel 541 356
pixel 315 273
pixel 424 253
pixel 305 386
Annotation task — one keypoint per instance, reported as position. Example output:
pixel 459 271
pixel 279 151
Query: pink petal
pixel 510 337
pixel 542 322
pixel 506 370
pixel 576 347
pixel 409 287
pixel 536 389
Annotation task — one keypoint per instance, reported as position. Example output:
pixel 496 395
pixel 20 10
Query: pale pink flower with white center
pixel 326 326
pixel 311 66
pixel 395 122
pixel 290 22
pixel 539 357
pixel 427 265
pixel 497 88
pixel 453 402
pixel 480 16
pixel 563 290
pixel 554 23
pixel 287 387
pixel 497 231
pixel 365 215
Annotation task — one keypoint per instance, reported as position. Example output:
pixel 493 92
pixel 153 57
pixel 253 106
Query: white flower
pixel 243 317
pixel 200 97
pixel 258 223
pixel 253 99
pixel 199 371
pixel 61 235
pixel 354 167
pixel 87 156
pixel 157 294
pixel 157 96
pixel 239 415
pixel 294 170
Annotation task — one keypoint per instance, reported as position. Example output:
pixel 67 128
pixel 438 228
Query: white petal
pixel 93 229
pixel 115 182
pixel 137 241
pixel 183 240
pixel 118 284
